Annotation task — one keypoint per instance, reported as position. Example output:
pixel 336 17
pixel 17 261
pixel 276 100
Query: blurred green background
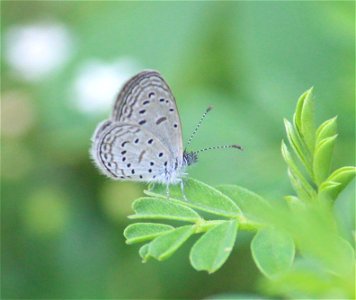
pixel 62 64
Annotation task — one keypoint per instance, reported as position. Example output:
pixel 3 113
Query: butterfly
pixel 142 140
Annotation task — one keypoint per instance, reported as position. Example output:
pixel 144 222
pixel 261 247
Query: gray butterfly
pixel 142 140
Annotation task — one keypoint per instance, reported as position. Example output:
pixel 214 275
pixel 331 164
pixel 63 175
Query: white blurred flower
pixel 98 83
pixel 34 51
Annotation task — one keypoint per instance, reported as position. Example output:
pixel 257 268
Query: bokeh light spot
pixel 17 114
pixel 117 199
pixel 16 160
pixel 46 212
pixel 36 50
pixel 97 83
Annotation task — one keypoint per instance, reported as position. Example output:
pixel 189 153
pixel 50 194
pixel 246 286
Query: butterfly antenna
pixel 219 147
pixel 198 125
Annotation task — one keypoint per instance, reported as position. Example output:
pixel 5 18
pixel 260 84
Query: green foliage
pixel 336 182
pixel 304 119
pixel 212 249
pixel 325 260
pixel 141 232
pixel 166 244
pixel 314 151
pixel 156 208
pixel 202 197
pixel 214 246
pixel 273 251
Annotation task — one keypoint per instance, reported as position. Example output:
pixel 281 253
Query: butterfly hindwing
pixel 129 152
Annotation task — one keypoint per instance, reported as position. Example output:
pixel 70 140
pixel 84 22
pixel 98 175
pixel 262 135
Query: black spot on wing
pixel 160 120
pixel 140 157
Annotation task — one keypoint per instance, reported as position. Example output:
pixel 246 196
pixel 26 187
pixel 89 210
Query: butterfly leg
pixel 182 190
pixel 167 191
pixel 151 187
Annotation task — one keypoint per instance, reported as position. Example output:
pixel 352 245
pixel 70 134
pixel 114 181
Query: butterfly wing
pixel 129 152
pixel 147 101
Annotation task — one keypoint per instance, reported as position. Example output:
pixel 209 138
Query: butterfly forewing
pixel 147 101
pixel 130 152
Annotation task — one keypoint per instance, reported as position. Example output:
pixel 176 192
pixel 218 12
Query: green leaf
pixel 294 202
pixel 211 251
pixel 140 232
pixel 272 251
pixel 325 130
pixel 297 146
pixel 298 187
pixel 304 119
pixel 337 181
pixel 252 205
pixel 158 208
pixel 201 196
pixel 308 280
pixel 322 158
pixel 144 253
pixel 165 245
pixel 300 184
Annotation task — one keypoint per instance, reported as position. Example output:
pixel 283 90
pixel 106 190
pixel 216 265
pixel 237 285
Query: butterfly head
pixel 189 158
